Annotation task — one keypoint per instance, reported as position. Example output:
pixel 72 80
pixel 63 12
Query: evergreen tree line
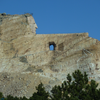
pixel 79 89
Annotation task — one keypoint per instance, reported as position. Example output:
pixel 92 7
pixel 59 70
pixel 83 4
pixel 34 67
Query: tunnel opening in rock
pixel 52 46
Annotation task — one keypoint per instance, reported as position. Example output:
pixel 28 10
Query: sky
pixel 59 16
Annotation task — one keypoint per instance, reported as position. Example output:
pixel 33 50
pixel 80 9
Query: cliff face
pixel 26 59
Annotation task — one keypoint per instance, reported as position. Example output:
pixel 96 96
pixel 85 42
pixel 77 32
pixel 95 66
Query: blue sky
pixel 59 16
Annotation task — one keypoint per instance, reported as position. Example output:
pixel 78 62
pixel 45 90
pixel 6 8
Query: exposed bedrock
pixel 26 58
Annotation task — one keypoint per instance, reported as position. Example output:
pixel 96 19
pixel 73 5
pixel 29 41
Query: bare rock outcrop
pixel 26 59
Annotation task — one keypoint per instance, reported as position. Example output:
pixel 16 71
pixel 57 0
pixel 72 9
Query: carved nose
pixel 36 26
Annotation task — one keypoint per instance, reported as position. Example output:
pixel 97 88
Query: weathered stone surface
pixel 26 59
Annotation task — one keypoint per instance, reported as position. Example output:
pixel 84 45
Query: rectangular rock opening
pixel 52 46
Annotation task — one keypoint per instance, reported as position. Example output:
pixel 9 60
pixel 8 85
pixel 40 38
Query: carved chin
pixel 35 30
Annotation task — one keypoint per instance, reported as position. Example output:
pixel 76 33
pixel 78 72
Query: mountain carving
pixel 26 58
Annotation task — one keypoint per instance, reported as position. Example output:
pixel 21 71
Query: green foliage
pixel 24 98
pixel 41 93
pixel 9 97
pixel 79 89
pixel 1 95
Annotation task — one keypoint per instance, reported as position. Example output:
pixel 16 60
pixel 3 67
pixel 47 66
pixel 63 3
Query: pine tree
pixel 1 96
pixel 9 97
pixel 79 89
pixel 24 98
pixel 41 94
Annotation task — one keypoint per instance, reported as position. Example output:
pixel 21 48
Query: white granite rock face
pixel 26 59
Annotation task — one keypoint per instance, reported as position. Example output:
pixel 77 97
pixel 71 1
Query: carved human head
pixel 32 24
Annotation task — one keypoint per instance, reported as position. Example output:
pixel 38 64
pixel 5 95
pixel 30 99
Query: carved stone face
pixel 35 26
pixel 32 24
